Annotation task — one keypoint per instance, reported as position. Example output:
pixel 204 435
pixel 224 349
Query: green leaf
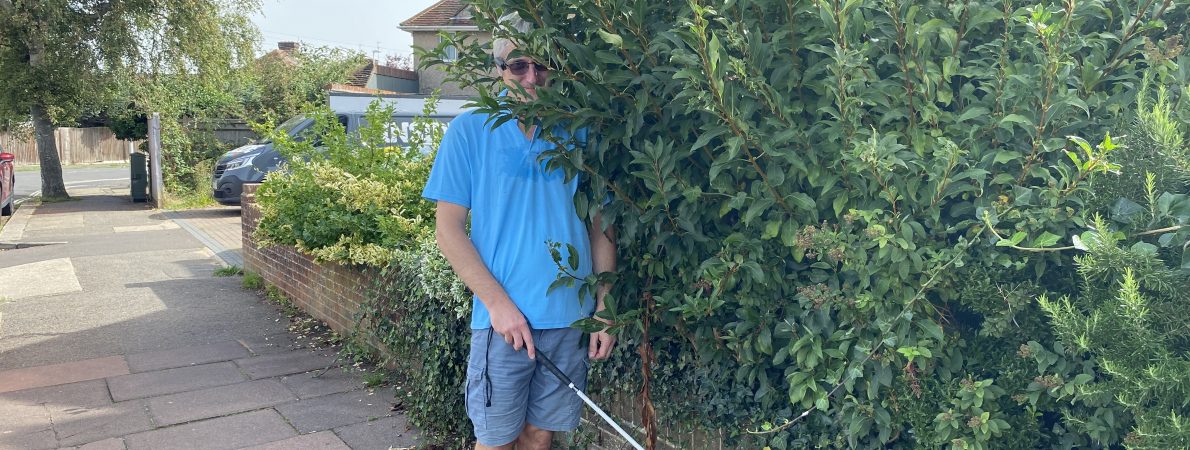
pixel 771 229
pixel 706 136
pixel 573 257
pixel 1046 239
pixel 1014 240
pixel 971 113
pixel 1004 156
pixel 932 329
pixel 614 39
pixel 1018 119
pixel 1144 248
pixel 822 403
pixel 788 233
pixel 803 201
pixel 1126 211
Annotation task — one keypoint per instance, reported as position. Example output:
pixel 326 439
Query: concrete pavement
pixel 114 333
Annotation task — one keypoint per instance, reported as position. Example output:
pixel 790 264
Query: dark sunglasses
pixel 521 66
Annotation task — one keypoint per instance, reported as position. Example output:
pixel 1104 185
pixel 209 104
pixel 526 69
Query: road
pixel 28 183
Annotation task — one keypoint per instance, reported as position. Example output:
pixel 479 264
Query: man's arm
pixel 451 233
pixel 603 259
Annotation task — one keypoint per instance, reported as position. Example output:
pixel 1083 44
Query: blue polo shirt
pixel 517 208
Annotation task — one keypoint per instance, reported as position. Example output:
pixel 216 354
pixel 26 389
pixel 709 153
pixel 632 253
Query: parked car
pixel 7 182
pixel 250 163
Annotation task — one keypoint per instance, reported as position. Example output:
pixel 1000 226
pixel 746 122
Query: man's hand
pixel 601 344
pixel 507 321
pixel 603 259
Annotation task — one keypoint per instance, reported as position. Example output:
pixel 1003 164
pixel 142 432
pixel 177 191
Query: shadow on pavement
pixel 178 313
pixel 91 203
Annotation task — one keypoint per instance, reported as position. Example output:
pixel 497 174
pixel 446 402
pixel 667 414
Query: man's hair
pixel 502 45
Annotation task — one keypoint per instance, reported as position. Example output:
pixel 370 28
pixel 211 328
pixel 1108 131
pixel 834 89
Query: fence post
pixel 155 160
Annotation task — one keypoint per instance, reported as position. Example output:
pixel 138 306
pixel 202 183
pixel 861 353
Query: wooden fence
pixel 231 132
pixel 75 146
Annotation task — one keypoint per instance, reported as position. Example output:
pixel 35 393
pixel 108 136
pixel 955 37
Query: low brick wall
pixel 332 293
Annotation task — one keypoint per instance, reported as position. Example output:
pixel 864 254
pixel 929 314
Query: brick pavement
pixel 225 395
pixel 217 228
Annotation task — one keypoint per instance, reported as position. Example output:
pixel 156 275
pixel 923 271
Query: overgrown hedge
pixel 837 217
pixel 861 224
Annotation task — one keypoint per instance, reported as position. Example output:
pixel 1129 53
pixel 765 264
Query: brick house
pixel 445 16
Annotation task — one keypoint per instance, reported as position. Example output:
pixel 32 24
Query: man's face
pixel 524 72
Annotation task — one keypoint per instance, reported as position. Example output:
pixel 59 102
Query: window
pixel 452 53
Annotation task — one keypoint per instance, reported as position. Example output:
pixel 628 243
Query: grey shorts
pixel 506 389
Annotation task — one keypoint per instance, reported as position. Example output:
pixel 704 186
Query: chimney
pixel 288 46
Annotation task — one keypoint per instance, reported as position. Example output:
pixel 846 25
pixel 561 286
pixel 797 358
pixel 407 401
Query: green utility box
pixel 140 177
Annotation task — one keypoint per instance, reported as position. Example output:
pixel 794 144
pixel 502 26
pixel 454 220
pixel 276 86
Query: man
pixel 516 206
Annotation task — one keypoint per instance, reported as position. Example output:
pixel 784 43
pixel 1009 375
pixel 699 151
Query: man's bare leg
pixel 533 438
pixel 507 446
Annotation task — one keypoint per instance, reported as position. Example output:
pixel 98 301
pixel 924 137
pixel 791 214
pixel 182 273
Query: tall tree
pixel 64 58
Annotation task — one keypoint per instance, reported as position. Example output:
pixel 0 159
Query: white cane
pixel 570 384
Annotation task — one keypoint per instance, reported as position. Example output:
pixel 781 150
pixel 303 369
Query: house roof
pixel 445 14
pixel 361 76
pixel 347 88
pixel 284 53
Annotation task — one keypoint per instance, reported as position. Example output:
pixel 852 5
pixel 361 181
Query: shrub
pixel 834 217
pixel 420 313
pixel 351 199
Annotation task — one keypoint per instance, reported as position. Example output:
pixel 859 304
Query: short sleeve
pixel 451 176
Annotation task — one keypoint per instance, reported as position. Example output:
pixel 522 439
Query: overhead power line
pixel 316 40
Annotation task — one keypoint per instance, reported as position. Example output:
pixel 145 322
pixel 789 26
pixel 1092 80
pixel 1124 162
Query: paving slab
pixel 287 363
pixel 77 426
pixel 55 374
pixel 217 228
pixel 336 410
pixel 82 394
pixel 240 430
pixel 43 439
pixel 170 381
pixel 14 229
pixel 186 356
pixel 55 276
pixel 25 426
pixel 23 419
pixel 106 444
pixel 333 381
pixel 265 345
pixel 322 440
pixel 218 401
pixel 389 432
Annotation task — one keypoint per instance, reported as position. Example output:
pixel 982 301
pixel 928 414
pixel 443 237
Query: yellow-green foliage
pixel 355 200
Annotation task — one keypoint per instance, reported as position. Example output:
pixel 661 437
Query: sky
pixel 369 26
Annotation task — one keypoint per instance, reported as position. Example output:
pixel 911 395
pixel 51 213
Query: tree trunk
pixel 52 186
